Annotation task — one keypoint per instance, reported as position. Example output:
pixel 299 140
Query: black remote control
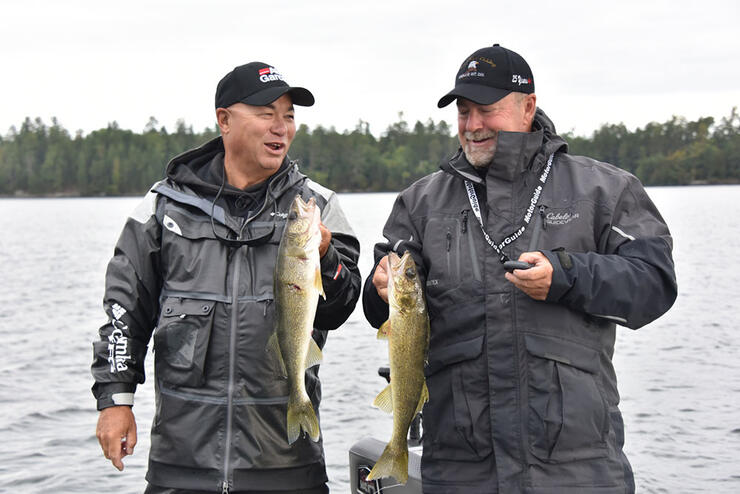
pixel 512 265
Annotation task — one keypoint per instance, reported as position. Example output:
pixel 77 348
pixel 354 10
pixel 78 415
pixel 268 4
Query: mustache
pixel 479 135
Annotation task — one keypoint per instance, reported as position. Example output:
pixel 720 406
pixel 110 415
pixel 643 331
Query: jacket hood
pixel 516 152
pixel 552 142
pixel 201 169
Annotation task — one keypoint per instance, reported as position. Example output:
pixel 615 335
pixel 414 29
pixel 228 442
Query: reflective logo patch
pixel 172 225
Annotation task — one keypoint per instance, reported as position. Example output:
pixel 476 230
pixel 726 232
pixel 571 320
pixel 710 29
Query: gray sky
pixel 89 63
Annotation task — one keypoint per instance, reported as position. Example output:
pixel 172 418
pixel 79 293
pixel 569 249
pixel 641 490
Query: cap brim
pixel 483 95
pixel 300 96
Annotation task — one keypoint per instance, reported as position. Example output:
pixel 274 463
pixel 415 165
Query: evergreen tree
pixel 37 159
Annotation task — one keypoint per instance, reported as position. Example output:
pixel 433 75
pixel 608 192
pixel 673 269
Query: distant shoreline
pixel 37 160
pixel 63 195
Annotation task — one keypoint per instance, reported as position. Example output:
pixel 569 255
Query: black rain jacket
pixel 220 399
pixel 523 394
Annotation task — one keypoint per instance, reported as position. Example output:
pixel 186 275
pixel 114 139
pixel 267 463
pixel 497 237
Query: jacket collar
pixel 516 153
pixel 193 178
pixel 201 169
pixel 458 164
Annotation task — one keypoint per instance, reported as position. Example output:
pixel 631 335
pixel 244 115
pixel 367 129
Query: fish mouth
pixel 302 208
pixel 401 264
pixel 303 213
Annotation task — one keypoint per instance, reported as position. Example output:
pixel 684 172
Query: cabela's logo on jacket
pixel 557 218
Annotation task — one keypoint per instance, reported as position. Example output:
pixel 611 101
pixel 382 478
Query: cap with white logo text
pixel 488 75
pixel 258 84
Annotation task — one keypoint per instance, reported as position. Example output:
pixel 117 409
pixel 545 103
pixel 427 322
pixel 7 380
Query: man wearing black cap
pixel 196 261
pixel 530 257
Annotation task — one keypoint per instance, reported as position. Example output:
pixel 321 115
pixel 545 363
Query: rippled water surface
pixel 679 377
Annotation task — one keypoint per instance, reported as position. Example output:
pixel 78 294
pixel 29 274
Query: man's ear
pixel 223 117
pixel 530 107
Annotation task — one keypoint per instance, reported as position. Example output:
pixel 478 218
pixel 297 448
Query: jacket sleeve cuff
pixel 330 265
pixel 375 309
pixel 114 394
pixel 561 279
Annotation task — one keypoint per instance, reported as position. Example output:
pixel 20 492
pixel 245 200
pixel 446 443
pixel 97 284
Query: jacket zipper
pixel 471 246
pixel 539 226
pixel 449 257
pixel 226 484
pixel 543 208
pixel 232 362
pixel 516 336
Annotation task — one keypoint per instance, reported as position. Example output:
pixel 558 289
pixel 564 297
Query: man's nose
pixel 278 127
pixel 474 121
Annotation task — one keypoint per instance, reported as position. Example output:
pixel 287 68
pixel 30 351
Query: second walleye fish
pixel 297 288
pixel 407 330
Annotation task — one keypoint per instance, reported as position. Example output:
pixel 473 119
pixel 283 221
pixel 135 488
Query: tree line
pixel 41 159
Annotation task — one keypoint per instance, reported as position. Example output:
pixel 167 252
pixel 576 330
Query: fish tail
pixel 394 462
pixel 301 415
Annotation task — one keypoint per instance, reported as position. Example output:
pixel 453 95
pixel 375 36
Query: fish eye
pixel 292 215
pixel 409 273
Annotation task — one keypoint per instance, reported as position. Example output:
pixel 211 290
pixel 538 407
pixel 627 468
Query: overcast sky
pixel 92 62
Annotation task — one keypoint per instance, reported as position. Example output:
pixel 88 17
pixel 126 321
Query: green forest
pixel 40 159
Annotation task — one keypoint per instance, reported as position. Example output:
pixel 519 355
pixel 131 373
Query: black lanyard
pixel 473 198
pixel 252 242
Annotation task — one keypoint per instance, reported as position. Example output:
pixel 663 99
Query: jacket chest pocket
pixel 456 418
pixel 443 253
pixel 568 414
pixel 181 341
pixel 191 254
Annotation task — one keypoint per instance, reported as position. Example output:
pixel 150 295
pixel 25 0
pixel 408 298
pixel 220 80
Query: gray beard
pixel 483 158
pixel 480 159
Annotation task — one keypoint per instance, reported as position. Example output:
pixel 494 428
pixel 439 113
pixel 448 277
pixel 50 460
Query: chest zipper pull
pixel 542 216
pixel 449 240
pixel 225 487
pixel 465 221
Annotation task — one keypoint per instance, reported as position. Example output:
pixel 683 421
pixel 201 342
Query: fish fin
pixel 313 355
pixel 384 330
pixel 301 415
pixel 384 400
pixel 423 398
pixel 273 346
pixel 318 283
pixel 392 463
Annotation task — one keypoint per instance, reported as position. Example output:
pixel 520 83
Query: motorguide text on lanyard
pixel 473 198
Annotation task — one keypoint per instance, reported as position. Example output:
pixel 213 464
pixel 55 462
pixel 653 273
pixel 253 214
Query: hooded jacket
pixel 523 393
pixel 220 417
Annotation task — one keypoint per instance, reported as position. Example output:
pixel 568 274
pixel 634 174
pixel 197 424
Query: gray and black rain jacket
pixel 220 399
pixel 523 393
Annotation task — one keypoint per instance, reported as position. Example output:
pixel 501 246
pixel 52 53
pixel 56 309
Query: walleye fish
pixel 407 330
pixel 297 286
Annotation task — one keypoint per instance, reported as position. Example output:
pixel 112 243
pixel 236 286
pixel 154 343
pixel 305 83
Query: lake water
pixel 679 377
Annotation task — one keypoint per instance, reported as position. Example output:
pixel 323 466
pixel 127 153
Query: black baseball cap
pixel 488 75
pixel 258 84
